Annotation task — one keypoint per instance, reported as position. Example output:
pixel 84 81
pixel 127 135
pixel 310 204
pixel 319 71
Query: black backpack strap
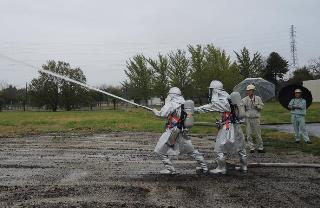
pixel 234 117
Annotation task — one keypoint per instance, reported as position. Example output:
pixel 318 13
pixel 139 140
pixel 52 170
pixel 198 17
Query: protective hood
pixel 217 95
pixel 172 103
pixel 175 99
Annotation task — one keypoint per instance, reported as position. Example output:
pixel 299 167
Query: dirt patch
pixel 121 170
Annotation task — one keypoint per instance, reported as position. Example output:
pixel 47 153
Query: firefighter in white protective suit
pixel 174 140
pixel 230 138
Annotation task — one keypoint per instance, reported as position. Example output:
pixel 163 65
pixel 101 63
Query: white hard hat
pixel 215 84
pixel 251 87
pixel 298 91
pixel 174 90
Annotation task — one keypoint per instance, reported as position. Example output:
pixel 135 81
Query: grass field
pixel 14 124
pixel 274 113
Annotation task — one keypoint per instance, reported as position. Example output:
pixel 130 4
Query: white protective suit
pixel 174 140
pixel 230 138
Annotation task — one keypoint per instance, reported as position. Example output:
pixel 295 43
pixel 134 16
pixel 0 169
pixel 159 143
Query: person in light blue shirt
pixel 298 109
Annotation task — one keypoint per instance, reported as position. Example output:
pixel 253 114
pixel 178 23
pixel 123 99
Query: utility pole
pixel 293 48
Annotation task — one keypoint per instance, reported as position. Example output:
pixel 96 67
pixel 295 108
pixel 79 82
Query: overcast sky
pixel 100 35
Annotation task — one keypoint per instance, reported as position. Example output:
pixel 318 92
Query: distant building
pixel 314 87
pixel 154 101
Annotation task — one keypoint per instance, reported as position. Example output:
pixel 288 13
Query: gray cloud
pixel 100 35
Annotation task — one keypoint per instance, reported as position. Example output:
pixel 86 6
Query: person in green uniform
pixel 298 109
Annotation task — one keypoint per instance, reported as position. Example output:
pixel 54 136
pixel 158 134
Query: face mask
pixel 214 96
pixel 210 95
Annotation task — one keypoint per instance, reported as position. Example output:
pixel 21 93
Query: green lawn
pixel 274 113
pixel 25 123
pixel 284 142
pixel 22 123
pixel 14 124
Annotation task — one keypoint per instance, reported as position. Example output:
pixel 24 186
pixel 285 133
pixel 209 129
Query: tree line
pixel 51 93
pixel 191 70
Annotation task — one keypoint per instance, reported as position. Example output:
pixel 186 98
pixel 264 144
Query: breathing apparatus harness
pixel 228 117
pixel 175 120
pixel 176 123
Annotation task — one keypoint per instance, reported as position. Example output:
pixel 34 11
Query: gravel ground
pixel 121 170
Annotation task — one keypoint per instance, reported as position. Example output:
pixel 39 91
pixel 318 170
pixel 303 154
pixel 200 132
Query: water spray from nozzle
pixel 73 81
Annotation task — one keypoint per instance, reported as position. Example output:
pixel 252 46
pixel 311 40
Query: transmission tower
pixel 293 47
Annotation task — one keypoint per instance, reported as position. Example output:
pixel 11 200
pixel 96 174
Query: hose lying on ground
pixel 250 165
pixel 203 123
pixel 285 165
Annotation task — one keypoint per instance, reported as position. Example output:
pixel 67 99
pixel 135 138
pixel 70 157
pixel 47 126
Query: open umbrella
pixel 264 89
pixel 287 93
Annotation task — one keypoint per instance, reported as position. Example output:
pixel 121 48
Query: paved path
pixel 313 129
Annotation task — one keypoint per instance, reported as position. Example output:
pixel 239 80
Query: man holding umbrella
pixel 297 106
pixel 253 105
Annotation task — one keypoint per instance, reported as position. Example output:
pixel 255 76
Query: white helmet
pixel 215 84
pixel 251 87
pixel 175 90
pixel 298 91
